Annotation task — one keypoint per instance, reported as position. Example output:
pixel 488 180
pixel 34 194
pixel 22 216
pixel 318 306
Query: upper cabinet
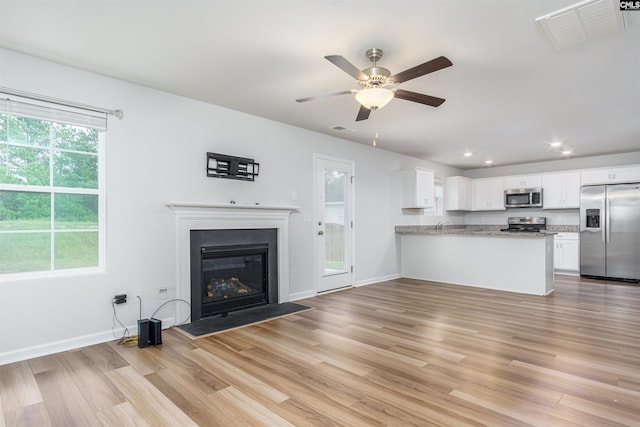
pixel 418 188
pixel 487 194
pixel 525 181
pixel 457 196
pixel 561 190
pixel 611 175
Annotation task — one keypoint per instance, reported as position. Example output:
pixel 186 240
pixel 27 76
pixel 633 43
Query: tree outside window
pixel 50 194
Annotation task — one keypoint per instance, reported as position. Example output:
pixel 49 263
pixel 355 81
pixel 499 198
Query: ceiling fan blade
pixel 363 113
pixel 418 97
pixel 346 66
pixel 420 70
pixel 313 98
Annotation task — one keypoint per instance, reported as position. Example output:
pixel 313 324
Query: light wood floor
pixel 397 353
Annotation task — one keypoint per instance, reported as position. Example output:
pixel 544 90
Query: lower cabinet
pixel 566 254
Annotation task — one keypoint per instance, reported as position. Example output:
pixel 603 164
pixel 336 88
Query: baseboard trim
pixel 71 343
pixel 302 295
pixel 377 280
pixel 567 273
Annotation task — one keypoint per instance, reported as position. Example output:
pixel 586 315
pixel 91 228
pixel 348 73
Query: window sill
pixel 14 277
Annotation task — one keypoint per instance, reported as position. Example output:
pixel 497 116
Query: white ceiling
pixel 509 92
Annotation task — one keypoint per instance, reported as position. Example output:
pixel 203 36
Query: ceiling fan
pixel 379 86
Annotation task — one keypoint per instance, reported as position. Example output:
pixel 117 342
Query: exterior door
pixel 334 223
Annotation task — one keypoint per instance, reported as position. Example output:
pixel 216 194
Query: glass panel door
pixel 334 219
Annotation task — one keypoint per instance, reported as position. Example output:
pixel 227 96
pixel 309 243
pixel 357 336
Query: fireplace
pixel 225 216
pixel 232 269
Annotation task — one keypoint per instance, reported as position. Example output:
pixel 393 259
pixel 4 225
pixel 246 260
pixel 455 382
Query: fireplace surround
pixel 212 216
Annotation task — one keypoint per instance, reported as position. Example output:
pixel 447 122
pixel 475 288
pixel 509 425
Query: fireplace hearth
pixel 232 270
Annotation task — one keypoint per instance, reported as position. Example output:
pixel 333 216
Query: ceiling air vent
pixel 340 128
pixel 580 22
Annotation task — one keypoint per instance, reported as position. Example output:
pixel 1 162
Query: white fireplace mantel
pixel 216 216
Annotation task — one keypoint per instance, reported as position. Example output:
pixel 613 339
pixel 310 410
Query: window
pixel 51 187
pixel 436 210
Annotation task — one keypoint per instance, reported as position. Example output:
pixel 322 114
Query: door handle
pixel 608 219
pixel 603 219
pixel 320 233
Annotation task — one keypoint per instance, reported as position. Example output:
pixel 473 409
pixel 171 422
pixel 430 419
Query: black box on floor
pixel 155 331
pixel 143 332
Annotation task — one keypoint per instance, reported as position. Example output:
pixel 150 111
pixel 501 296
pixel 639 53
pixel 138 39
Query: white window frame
pixel 438 199
pixel 58 114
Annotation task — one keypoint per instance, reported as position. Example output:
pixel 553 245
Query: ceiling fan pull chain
pixel 375 127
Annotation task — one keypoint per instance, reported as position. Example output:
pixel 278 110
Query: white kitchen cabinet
pixel 418 188
pixel 611 175
pixel 487 194
pixel 566 255
pixel 525 181
pixel 561 190
pixel 457 193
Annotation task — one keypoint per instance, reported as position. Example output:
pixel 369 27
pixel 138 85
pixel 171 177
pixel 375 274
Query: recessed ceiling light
pixel 488 162
pixel 468 154
pixel 555 144
pixel 566 152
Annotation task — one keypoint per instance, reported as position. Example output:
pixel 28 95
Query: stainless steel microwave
pixel 523 198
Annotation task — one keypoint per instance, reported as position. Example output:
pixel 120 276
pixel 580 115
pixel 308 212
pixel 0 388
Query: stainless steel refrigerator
pixel 610 231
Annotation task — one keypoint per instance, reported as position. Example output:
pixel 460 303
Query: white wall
pixel 155 155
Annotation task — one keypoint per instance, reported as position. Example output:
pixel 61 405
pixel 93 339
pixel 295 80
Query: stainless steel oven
pixel 523 198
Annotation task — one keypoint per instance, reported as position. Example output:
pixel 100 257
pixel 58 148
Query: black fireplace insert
pixel 232 270
pixel 233 277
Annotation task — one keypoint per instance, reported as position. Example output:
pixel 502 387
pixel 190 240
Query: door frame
pixel 316 213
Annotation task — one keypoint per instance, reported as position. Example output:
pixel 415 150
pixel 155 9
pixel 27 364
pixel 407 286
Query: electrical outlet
pixel 163 293
pixel 135 293
pixel 120 298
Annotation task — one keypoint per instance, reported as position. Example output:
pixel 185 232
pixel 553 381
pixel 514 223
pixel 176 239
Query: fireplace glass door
pixel 233 278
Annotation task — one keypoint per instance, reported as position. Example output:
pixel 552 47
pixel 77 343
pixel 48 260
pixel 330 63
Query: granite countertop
pixel 482 230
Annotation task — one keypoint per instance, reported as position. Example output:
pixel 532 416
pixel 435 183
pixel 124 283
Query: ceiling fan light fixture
pixel 374 98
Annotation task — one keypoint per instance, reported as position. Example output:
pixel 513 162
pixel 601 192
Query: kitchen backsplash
pixel 554 217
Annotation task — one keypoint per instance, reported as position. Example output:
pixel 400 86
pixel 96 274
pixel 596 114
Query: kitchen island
pixel 486 258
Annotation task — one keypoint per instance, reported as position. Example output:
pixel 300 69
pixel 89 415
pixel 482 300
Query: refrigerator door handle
pixel 607 219
pixel 603 225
